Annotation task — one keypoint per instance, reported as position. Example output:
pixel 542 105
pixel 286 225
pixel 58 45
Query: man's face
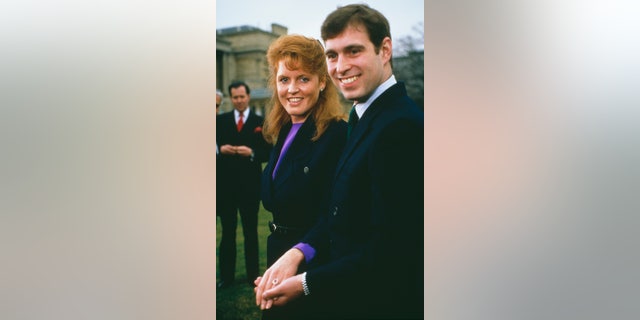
pixel 240 98
pixel 354 65
pixel 218 102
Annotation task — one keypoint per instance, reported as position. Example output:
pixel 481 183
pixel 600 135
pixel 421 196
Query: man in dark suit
pixel 242 151
pixel 373 231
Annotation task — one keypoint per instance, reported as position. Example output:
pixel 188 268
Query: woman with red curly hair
pixel 305 124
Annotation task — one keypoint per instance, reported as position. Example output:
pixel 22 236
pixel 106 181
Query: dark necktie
pixel 353 121
pixel 240 122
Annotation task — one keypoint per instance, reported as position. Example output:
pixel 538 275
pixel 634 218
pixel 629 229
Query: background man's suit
pixel 373 231
pixel 238 185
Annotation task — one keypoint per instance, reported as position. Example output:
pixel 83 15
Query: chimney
pixel 279 30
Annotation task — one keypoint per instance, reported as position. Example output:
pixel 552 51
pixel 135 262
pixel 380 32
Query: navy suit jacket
pixel 237 173
pixel 298 194
pixel 373 231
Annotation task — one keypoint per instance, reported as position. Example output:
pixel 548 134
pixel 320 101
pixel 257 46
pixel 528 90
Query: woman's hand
pixel 283 269
pixel 281 294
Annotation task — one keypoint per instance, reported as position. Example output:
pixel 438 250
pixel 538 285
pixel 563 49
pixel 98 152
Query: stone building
pixel 241 55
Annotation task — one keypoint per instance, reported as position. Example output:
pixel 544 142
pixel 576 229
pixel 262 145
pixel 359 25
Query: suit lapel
pixel 227 128
pixel 301 139
pixel 276 151
pixel 271 165
pixel 248 122
pixel 356 137
pixel 364 124
pixel 232 120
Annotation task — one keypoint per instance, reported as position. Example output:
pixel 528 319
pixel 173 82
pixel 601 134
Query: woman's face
pixel 298 91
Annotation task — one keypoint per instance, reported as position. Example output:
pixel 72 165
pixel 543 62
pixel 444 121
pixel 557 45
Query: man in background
pixel 242 151
pixel 219 97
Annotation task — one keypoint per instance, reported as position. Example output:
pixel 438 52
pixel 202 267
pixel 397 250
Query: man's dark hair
pixel 357 15
pixel 237 84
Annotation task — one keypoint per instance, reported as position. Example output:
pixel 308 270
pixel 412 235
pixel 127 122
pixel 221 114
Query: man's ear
pixel 386 48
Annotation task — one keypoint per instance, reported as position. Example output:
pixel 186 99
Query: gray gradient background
pixel 107 160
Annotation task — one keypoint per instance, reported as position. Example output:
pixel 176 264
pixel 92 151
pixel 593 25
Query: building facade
pixel 241 55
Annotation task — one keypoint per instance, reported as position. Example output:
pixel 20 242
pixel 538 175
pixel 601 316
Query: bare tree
pixel 408 63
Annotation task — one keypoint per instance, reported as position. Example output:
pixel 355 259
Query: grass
pixel 238 301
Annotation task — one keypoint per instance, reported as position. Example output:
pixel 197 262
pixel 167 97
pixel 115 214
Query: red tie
pixel 240 122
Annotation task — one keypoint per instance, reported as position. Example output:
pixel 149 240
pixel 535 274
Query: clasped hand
pixel 239 150
pixel 280 284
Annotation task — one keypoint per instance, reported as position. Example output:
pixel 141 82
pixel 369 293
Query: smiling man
pixel 372 234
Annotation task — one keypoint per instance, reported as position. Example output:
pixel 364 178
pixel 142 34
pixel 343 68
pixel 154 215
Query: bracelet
pixel 304 284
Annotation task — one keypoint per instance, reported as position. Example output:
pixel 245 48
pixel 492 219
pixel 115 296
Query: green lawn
pixel 238 301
